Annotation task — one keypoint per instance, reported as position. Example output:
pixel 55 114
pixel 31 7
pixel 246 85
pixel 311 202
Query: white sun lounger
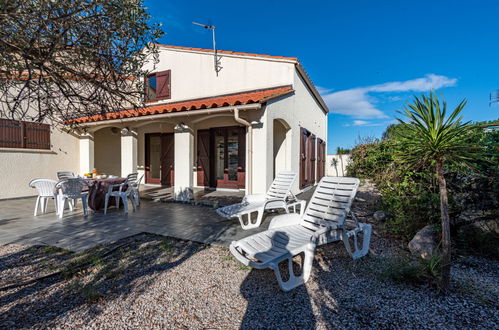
pixel 326 219
pixel 279 196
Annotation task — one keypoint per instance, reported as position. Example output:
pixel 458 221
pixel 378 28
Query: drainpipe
pixel 250 149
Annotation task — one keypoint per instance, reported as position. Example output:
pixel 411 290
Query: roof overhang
pixel 243 100
pixel 184 114
pixel 312 88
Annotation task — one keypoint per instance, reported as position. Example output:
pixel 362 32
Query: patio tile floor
pixel 75 232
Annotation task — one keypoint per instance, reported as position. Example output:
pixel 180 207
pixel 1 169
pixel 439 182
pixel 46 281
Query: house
pixel 232 129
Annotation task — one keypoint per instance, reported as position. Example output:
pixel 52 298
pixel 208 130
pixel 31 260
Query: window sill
pixel 27 151
pixel 157 100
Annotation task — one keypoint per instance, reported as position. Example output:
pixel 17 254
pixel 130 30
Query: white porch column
pixel 184 157
pixel 86 153
pixel 128 152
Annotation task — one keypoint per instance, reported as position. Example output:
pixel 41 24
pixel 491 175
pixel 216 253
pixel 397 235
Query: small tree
pixel 64 58
pixel 334 163
pixel 430 138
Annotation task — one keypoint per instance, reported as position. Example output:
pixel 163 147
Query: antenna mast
pixel 217 64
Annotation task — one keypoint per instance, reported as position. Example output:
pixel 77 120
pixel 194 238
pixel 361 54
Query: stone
pixel 379 215
pixel 424 243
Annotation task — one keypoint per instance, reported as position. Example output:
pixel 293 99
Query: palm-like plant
pixel 431 138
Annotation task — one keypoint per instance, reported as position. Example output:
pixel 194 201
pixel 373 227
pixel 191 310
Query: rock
pixel 424 243
pixel 379 215
pixel 491 226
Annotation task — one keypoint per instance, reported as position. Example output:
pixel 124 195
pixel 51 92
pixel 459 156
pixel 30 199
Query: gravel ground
pixel 150 281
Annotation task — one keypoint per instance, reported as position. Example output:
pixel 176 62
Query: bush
pixel 415 272
pixel 411 196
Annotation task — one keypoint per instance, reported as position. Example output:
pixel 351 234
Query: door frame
pixel 224 183
pixel 147 160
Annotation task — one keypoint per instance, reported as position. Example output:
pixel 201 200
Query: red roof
pixel 258 96
pixel 229 52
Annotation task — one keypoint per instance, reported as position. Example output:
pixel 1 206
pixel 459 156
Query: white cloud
pixel 366 123
pixel 363 123
pixel 358 103
pixel 323 90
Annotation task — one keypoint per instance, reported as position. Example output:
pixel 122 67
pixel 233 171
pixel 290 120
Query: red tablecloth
pixel 97 190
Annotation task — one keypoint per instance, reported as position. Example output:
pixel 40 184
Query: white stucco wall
pixel 341 165
pixel 107 151
pixel 193 75
pixel 297 110
pixel 19 166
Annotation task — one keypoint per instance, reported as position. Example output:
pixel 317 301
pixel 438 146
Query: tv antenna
pixel 218 65
pixel 494 97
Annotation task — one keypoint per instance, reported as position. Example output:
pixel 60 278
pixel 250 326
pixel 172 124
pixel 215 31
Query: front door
pixel 159 158
pixel 221 157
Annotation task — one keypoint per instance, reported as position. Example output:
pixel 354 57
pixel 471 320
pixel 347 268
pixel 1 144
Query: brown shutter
pixel 11 134
pixel 203 169
pixel 321 159
pixel 311 166
pixel 37 136
pixel 163 84
pixel 303 157
pixel 241 172
pixel 167 159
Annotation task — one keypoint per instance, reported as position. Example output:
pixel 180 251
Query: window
pixel 158 86
pixel 24 134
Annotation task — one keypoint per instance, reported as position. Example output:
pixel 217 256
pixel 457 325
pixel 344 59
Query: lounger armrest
pixel 247 262
pixel 257 198
pixel 321 232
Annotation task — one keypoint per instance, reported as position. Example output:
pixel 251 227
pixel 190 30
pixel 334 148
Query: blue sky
pixel 368 58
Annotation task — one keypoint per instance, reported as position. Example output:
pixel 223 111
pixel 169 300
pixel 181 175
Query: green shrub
pixel 414 272
pixel 411 196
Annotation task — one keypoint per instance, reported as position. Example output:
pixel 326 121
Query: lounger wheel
pixel 355 251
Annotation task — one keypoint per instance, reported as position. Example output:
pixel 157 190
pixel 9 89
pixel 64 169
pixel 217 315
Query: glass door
pixel 229 157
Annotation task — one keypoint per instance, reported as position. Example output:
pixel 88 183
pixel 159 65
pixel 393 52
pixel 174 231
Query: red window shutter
pixel 36 135
pixel 303 158
pixel 312 140
pixel 321 159
pixel 203 169
pixel 163 84
pixel 11 133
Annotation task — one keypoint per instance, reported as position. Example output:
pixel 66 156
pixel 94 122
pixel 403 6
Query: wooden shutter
pixel 11 133
pixel 311 158
pixel 167 159
pixel 37 136
pixel 321 159
pixel 163 89
pixel 303 157
pixel 241 169
pixel 203 161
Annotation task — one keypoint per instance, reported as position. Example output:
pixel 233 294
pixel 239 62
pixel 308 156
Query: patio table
pixel 97 190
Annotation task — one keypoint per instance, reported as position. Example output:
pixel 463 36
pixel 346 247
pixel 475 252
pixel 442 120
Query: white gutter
pixel 184 113
pixel 250 149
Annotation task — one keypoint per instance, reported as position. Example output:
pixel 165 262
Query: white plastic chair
pixel 326 219
pixel 62 175
pixel 122 194
pixel 70 190
pixel 46 190
pixel 279 196
pixel 135 188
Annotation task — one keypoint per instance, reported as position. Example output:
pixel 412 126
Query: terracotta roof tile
pixel 229 52
pixel 258 96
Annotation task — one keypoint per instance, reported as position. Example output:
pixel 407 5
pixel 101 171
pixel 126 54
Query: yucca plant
pixel 430 137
